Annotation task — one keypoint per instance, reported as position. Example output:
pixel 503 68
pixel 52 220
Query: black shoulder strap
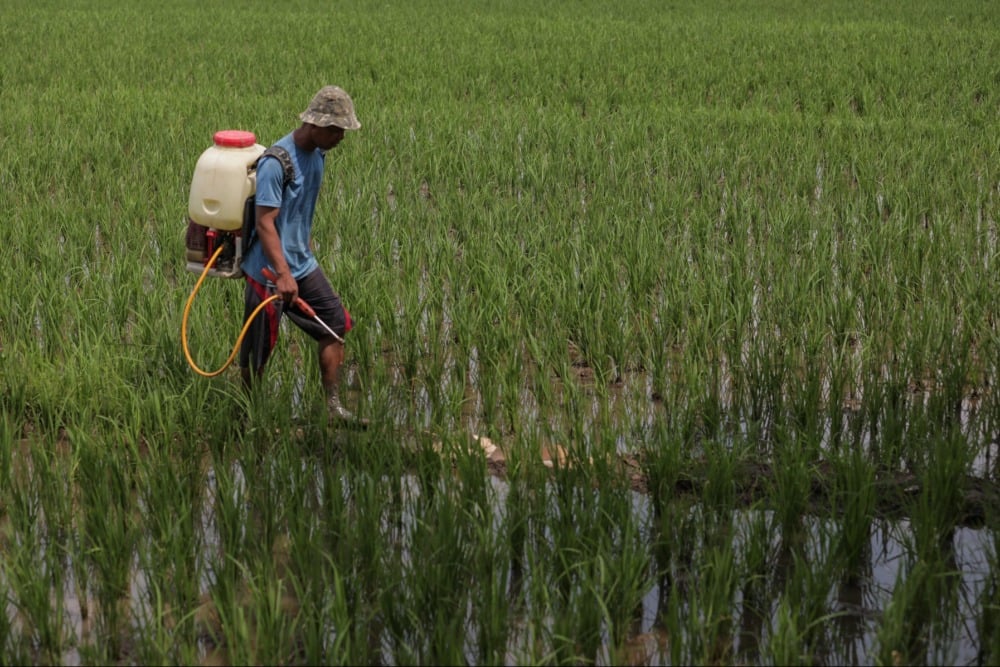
pixel 284 158
pixel 249 209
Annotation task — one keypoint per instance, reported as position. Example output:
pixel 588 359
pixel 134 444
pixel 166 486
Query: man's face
pixel 328 137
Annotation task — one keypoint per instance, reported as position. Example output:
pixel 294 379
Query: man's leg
pixel 315 290
pixel 331 358
pixel 261 336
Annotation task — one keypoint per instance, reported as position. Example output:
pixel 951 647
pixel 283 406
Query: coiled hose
pixel 239 339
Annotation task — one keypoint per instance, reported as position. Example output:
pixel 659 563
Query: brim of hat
pixel 327 120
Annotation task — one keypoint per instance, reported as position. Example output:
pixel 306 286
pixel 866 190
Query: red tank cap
pixel 234 138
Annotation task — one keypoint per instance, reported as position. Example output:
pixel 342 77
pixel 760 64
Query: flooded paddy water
pixel 338 545
pixel 855 603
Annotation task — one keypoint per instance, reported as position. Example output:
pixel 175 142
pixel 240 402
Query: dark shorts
pixel 262 336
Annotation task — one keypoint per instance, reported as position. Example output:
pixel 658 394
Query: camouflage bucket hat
pixel 331 106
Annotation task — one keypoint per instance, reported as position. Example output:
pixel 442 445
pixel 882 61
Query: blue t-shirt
pixel 296 205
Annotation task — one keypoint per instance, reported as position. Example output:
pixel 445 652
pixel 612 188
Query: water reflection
pixel 920 596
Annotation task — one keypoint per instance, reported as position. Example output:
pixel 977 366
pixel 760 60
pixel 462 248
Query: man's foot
pixel 340 414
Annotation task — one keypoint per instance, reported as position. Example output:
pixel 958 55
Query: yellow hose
pixel 243 332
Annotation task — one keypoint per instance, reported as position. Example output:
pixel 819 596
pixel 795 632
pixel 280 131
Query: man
pixel 284 218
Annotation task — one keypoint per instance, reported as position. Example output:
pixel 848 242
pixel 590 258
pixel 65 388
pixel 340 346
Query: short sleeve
pixel 270 182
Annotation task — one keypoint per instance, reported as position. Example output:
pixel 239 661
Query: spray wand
pixel 301 304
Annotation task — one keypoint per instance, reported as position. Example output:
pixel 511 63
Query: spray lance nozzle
pixel 301 304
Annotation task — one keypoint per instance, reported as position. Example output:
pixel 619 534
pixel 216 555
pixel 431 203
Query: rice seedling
pixel 902 635
pixel 758 552
pixel 853 501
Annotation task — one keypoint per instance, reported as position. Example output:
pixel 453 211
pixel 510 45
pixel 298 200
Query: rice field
pixel 676 325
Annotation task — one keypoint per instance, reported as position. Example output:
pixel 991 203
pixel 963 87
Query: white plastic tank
pixel 222 181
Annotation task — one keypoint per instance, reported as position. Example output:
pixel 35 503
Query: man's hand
pixel 286 287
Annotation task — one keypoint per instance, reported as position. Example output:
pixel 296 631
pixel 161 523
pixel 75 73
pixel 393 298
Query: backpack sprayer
pixel 222 188
pixel 221 212
pixel 222 216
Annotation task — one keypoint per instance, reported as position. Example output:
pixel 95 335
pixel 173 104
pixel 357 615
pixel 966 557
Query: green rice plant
pixel 902 634
pixel 851 630
pixel 110 538
pixel 267 485
pixel 671 609
pixel 6 483
pixel 515 408
pixel 368 543
pixel 6 626
pixel 272 618
pixel 621 571
pixel 33 577
pixel 718 495
pixel 490 600
pixel 525 510
pixel 784 646
pixel 806 404
pixel 809 563
pixel 168 638
pixel 14 645
pixel 792 481
pixel 933 605
pixel 230 630
pixel 53 466
pixel 709 630
pixel 303 571
pixel 923 614
pixel 229 517
pixel 555 570
pixel 353 540
pixel 941 498
pixel 575 632
pixel 758 551
pixel 333 613
pixel 170 480
pixel 676 547
pixel 807 587
pixel 547 573
pixel 433 576
pixel 838 412
pixel 853 501
pixel 596 573
pixel 664 465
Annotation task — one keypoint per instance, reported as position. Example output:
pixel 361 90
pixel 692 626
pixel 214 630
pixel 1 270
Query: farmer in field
pixel 282 246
